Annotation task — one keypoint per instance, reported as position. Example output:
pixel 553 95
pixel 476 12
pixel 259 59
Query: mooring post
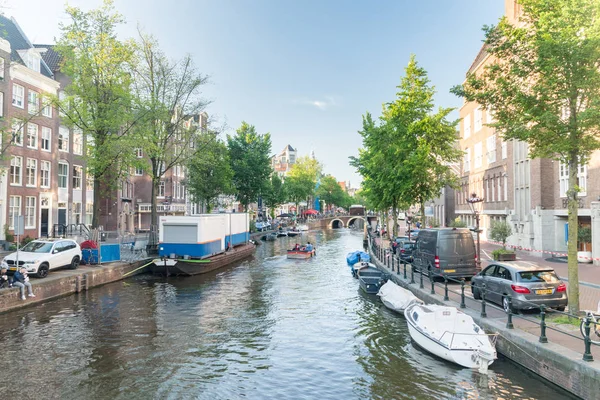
pixel 483 313
pixel 462 293
pixel 587 355
pixel 446 298
pixel 543 338
pixel 509 323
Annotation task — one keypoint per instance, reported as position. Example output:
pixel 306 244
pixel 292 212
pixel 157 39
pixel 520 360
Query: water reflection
pixel 265 328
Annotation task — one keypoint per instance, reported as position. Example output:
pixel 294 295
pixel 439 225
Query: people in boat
pixel 296 247
pixel 309 247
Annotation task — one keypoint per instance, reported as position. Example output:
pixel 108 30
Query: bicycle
pixel 594 318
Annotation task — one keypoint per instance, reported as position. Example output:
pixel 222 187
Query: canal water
pixel 267 328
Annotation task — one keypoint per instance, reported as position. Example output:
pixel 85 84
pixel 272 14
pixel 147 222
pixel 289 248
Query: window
pixel 563 174
pixel 32 60
pixel 504 150
pixel 77 142
pixel 62 103
pixel 478 154
pixel 33 102
pixel 489 115
pixel 89 212
pixel 1 68
pixel 506 188
pixel 2 99
pixel 493 187
pixel 89 181
pixel 139 171
pixel 77 176
pixel 14 210
pixel 478 119
pixel 467 160
pixel 499 189
pixel 16 165
pixel 17 128
pixel 47 109
pixel 491 149
pixel 32 136
pixel 31 172
pixel 18 98
pixel 63 139
pixel 45 174
pixel 30 203
pixel 63 175
pixel 161 189
pixel 77 212
pixel 46 138
pixel 139 152
pixel 467 125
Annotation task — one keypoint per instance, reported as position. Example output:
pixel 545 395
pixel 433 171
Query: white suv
pixel 40 256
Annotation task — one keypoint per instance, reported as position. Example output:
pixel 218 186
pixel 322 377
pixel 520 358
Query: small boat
pixel 303 228
pixel 370 277
pixel 451 334
pixel 300 254
pixel 395 297
pixel 269 237
pixel 357 256
pixel 293 233
pixel 281 233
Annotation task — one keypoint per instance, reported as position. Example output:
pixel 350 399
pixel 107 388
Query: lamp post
pixel 475 203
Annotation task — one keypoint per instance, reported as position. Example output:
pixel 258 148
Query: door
pixel 494 285
pixel 62 221
pixel 503 281
pixel 44 223
pixel 487 277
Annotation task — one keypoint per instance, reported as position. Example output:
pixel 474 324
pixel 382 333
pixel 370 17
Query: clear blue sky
pixel 305 71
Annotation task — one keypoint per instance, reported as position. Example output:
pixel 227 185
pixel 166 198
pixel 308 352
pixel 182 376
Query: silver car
pixel 528 284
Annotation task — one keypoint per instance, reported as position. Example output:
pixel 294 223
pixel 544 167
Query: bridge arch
pixel 352 219
pixel 336 223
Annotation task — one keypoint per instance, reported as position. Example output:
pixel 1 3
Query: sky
pixel 304 71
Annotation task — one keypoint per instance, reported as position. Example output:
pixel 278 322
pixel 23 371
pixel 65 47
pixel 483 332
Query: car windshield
pixel 37 247
pixel 538 276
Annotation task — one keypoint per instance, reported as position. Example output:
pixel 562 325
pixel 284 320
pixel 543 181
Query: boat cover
pixel 356 256
pixel 396 297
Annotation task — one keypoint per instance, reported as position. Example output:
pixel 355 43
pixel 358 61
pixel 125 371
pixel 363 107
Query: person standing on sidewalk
pixel 21 280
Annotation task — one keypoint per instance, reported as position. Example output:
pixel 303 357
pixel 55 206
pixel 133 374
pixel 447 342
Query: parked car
pixel 445 251
pixel 405 250
pixel 41 256
pixel 528 284
pixel 397 240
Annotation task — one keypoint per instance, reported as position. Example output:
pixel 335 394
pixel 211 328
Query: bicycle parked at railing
pixel 594 318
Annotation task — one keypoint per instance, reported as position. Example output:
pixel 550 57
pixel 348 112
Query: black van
pixel 446 251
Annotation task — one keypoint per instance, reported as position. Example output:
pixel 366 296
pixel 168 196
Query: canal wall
pixel 559 365
pixel 60 283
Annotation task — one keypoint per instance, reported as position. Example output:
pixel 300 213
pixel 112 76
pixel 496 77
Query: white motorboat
pixel 303 228
pixel 395 297
pixel 451 334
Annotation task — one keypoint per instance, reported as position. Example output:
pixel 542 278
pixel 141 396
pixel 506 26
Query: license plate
pixel 12 268
pixel 545 291
pixel 449 270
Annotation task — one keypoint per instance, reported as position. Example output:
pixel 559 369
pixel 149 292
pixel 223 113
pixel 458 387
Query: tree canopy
pixel 331 192
pixel 302 179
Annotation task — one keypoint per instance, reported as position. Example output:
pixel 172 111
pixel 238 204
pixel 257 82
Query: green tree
pixel 210 173
pixel 302 179
pixel 249 155
pixel 330 191
pixel 274 194
pixel 500 231
pixel 98 98
pixel 544 89
pixel 169 106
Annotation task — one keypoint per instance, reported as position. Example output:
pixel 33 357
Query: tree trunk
pixel 422 203
pixel 572 243
pixel 96 213
pixel 395 226
pixel 153 212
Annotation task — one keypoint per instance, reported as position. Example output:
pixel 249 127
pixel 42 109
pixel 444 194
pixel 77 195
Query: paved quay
pixel 559 361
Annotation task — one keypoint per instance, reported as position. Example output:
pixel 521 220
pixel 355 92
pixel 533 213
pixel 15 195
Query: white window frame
pixel 45 173
pixel 18 128
pixel 478 154
pixel 63 177
pixel 504 147
pixel 77 212
pixel 139 152
pixel 563 177
pixel 47 110
pixel 30 211
pixel 467 160
pixel 46 139
pixel 16 171
pixel 63 139
pixel 89 212
pixel 78 142
pixel 32 135
pixel 478 120
pixel 491 149
pixel 505 188
pixel 467 126
pixel 489 115
pixel 14 210
pixel 139 171
pixel 31 172
pixel 89 181
pixel 2 98
pixel 493 187
pixel 1 68
pixel 33 102
pixel 77 177
pixel 161 189
pixel 18 96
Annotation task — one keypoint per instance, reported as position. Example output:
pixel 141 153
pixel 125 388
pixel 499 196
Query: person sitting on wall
pixel 21 280
pixel 4 281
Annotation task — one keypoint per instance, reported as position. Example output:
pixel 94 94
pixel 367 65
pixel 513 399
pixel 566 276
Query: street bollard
pixel 509 323
pixel 432 280
pixel 404 264
pixel 446 298
pixel 412 275
pixel 462 293
pixel 543 338
pixel 483 313
pixel 587 355
pixel 421 284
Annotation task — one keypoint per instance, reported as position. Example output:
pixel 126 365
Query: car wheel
pixel 42 271
pixel 74 262
pixel 475 291
pixel 505 306
pixel 561 308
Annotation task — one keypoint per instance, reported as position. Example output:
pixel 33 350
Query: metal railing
pixel 393 262
pixel 61 230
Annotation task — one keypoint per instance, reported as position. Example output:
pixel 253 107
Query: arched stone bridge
pixel 342 221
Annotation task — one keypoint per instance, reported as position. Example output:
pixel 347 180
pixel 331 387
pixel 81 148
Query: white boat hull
pixel 478 353
pixel 396 298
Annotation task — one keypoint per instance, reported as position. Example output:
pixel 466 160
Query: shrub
pixel 7 235
pixel 252 226
pixel 500 231
pixel 26 240
pixel 458 223
pixel 584 235
pixel 496 253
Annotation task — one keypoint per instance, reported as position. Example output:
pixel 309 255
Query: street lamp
pixel 476 203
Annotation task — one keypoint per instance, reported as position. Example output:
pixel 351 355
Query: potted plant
pixel 499 232
pixel 584 236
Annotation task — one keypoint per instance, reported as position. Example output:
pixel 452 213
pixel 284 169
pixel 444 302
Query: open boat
pixel 293 233
pixel 451 334
pixel 303 228
pixel 281 233
pixel 369 276
pixel 395 297
pixel 300 254
pixel 357 256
